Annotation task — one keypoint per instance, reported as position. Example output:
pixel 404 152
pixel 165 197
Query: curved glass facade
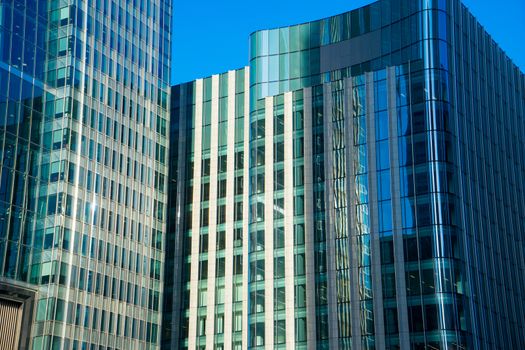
pixel 384 199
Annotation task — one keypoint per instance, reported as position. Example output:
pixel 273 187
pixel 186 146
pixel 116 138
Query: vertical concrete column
pixel 212 227
pixel 245 207
pixel 289 253
pixel 230 171
pixel 268 224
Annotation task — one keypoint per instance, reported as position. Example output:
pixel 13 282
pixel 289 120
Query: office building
pixel 84 119
pixel 358 186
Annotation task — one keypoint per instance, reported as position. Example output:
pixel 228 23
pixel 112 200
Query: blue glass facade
pixel 383 156
pixel 83 144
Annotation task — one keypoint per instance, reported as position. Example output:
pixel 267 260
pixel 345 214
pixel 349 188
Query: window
pixel 257 240
pixel 300 296
pixel 203 270
pixel 279 267
pixel 278 237
pixel 278 152
pixel 221 189
pixel 300 329
pixel 221 240
pixel 220 267
pixel 239 185
pixel 203 297
pixel 223 163
pixel 203 248
pixel 237 321
pixel 257 270
pixel 237 264
pixel 219 324
pixel 219 295
pixel 280 331
pixel 279 298
pixel 201 326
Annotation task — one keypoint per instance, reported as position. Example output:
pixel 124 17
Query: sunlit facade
pixel 84 120
pixel 358 186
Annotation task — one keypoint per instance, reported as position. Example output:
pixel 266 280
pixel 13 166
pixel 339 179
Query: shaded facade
pixel 207 227
pixel 83 146
pixel 366 192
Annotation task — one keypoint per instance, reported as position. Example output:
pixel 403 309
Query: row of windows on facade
pixel 30 59
pixel 381 130
pixel 382 158
pixel 79 244
pixel 17 29
pixel 60 203
pixel 122 74
pixel 222 164
pixel 63 76
pixel 57 343
pixel 103 251
pixel 221 189
pixel 95 182
pixel 90 213
pixel 409 209
pixel 257 298
pixel 421 319
pixel 258 180
pixel 96 151
pixel 223 107
pixel 258 237
pixel 417 95
pixel 257 268
pixel 257 209
pixel 129 136
pixel 86 211
pixel 55 108
pixel 220 268
pixel 418 283
pixel 236 291
pixel 105 35
pixel 258 130
pixel 102 154
pixel 220 244
pixel 257 332
pixel 95 319
pixel 219 324
pixel 221 215
pixel 222 93
pixel 415 249
pixel 99 284
pixel 223 137
pixel 258 153
pixel 71 76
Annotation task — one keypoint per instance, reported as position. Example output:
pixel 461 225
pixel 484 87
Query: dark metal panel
pixel 352 51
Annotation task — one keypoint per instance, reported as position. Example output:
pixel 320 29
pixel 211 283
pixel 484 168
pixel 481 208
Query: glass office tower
pixel 206 288
pixel 361 188
pixel 84 89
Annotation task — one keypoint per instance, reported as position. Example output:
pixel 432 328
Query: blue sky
pixel 211 36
